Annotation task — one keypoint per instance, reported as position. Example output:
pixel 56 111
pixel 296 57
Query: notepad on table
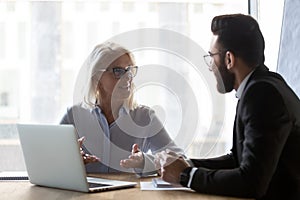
pixel 159 183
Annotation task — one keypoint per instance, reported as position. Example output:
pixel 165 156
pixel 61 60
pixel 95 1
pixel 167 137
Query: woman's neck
pixel 110 109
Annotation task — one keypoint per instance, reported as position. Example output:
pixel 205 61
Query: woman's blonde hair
pixel 100 58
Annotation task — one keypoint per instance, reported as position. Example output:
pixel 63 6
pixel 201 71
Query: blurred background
pixel 44 43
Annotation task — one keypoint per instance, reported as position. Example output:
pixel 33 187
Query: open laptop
pixel 53 159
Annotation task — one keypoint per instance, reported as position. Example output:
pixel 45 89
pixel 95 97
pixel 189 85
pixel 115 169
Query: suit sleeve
pixel 266 127
pixel 222 162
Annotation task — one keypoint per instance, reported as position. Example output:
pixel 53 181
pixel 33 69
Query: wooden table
pixel 24 190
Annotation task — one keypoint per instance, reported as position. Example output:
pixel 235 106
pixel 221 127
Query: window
pixel 4 99
pixel 271 31
pixel 2 40
pixel 54 37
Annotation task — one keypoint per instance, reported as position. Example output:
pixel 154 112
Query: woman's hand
pixel 135 160
pixel 87 158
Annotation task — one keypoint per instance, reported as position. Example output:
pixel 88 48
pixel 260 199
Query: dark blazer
pixel 264 162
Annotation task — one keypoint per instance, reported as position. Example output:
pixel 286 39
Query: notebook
pixel 53 159
pixel 159 183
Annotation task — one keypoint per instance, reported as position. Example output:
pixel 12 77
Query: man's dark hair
pixel 241 35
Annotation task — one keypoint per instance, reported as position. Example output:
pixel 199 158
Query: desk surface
pixel 26 191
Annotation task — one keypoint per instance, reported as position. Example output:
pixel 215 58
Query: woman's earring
pixel 97 95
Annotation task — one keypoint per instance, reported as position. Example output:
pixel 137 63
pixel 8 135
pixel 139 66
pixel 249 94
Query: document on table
pixel 159 184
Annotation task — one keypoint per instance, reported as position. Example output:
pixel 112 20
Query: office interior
pixel 44 44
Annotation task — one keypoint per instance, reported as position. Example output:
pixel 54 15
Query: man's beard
pixel 225 79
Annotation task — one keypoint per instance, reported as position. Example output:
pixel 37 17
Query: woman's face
pixel 113 88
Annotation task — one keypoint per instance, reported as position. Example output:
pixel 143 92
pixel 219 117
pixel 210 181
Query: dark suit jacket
pixel 264 162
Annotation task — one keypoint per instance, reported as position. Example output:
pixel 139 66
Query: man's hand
pixel 87 158
pixel 170 165
pixel 135 160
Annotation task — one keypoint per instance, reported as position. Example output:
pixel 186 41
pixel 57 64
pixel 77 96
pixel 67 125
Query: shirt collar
pixel 124 110
pixel 241 88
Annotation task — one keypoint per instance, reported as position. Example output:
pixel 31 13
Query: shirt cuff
pixel 192 172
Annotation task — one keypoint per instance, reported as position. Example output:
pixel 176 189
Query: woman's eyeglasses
pixel 120 71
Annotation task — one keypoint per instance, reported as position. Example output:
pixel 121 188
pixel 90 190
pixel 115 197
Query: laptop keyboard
pixel 95 185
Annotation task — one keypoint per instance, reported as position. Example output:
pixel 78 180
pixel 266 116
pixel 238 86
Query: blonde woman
pixel 119 134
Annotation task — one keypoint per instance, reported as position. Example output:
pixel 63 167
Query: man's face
pixel 225 78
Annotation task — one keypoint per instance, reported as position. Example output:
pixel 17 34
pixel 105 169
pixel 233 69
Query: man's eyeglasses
pixel 119 71
pixel 209 59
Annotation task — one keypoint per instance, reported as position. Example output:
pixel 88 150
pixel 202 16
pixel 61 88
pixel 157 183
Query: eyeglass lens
pixel 119 72
pixel 208 60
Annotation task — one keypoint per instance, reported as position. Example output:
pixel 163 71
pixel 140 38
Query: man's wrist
pixel 185 176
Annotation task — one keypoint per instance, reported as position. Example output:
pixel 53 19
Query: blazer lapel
pixel 87 126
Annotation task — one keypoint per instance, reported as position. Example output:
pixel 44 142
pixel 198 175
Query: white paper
pixel 166 186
